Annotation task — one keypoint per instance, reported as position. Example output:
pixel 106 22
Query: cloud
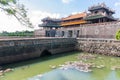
pixel 66 1
pixel 117 4
pixel 36 16
pixel 73 13
pixel 10 24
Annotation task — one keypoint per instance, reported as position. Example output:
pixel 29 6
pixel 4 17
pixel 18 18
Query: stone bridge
pixel 17 49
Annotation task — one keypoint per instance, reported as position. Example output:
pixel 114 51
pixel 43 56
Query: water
pixel 105 73
pixel 41 66
pixel 58 74
pixel 36 66
pixel 73 74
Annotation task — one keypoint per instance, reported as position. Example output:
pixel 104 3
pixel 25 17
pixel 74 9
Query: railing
pixel 42 25
pixel 97 14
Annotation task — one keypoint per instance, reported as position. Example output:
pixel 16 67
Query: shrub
pixel 117 36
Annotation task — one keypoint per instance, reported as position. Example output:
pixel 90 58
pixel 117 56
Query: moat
pixel 28 70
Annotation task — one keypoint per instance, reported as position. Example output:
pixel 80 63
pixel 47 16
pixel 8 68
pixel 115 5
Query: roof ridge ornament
pixel 103 4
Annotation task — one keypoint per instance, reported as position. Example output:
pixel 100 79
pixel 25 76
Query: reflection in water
pixel 73 74
pixel 112 76
pixel 58 74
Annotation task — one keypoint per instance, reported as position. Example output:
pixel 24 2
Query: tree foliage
pixel 118 35
pixel 13 7
pixel 18 33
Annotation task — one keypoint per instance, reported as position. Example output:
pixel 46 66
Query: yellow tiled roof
pixel 80 15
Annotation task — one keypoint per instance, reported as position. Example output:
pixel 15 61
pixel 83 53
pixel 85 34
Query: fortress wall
pixel 98 30
pixel 100 46
pixel 12 50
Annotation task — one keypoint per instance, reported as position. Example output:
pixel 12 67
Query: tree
pixel 117 36
pixel 13 7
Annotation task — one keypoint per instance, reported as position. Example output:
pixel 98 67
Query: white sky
pixel 39 9
pixel 9 23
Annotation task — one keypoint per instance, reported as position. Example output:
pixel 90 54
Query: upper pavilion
pixel 50 23
pixel 100 13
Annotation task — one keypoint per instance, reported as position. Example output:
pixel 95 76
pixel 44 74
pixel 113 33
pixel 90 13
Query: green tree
pixel 117 35
pixel 13 7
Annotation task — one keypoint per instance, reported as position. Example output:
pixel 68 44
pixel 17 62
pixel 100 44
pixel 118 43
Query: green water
pixel 24 70
pixel 29 69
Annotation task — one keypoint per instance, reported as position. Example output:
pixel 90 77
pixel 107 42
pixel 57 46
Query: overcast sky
pixel 38 9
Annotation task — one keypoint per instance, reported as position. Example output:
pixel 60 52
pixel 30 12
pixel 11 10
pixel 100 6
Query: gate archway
pixel 45 53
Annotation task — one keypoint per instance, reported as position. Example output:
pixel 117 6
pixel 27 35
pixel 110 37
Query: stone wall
pixel 17 49
pixel 39 33
pixel 99 46
pixel 98 30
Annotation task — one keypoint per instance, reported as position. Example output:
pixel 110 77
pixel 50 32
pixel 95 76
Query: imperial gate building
pixel 98 23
